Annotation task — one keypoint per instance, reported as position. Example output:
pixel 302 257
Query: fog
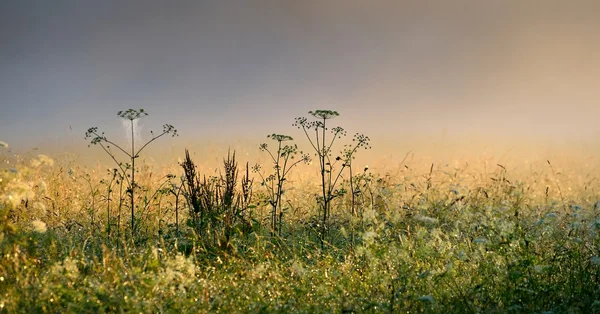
pixel 430 76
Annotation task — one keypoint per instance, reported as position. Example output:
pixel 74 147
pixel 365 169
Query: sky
pixel 231 69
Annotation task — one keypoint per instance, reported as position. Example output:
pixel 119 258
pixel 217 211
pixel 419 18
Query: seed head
pixel 167 128
pixel 338 131
pixel 324 114
pixel 300 122
pixel 280 137
pixel 132 114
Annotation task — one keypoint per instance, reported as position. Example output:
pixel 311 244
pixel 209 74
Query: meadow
pixel 306 231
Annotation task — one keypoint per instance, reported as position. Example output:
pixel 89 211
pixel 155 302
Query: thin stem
pixel 273 157
pixel 147 143
pixel 117 162
pixel 325 194
pixel 291 166
pixel 113 144
pixel 309 139
pixel 155 192
pixel 132 186
pixel 336 179
pixel 352 204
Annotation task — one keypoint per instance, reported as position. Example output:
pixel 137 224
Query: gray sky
pixel 248 67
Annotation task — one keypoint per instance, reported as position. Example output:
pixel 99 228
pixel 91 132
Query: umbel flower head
pixel 132 114
pixel 321 115
pixel 324 114
pixel 280 137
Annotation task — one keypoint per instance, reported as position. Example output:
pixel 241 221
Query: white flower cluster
pixel 179 271
pixel 17 191
pixel 42 160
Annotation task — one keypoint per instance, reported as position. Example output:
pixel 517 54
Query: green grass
pixel 442 239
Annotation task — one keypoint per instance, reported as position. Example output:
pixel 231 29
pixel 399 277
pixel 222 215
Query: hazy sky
pixel 392 68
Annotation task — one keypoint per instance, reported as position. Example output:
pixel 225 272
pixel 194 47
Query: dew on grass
pixel 426 219
pixel 540 268
pixel 426 298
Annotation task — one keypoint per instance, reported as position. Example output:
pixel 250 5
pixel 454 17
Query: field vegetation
pixel 306 231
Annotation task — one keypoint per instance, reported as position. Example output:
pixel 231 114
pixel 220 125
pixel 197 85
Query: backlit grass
pixel 442 236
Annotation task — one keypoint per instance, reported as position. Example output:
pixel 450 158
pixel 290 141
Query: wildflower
pixel 41 161
pixel 179 269
pixel 280 137
pixel 324 114
pixel 45 160
pixel 18 191
pixel 66 269
pixel 132 114
pixel 369 237
pixel 427 220
pixel 39 226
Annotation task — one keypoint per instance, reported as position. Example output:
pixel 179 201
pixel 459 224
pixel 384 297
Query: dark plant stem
pixel 132 188
pixel 177 194
pixel 352 205
pixel 119 213
pixel 108 201
pixel 98 138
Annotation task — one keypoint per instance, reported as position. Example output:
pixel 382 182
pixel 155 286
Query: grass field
pixel 491 234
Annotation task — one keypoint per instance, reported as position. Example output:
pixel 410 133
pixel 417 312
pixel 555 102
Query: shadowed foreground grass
pixel 435 239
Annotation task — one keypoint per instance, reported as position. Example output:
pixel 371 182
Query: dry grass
pixel 480 234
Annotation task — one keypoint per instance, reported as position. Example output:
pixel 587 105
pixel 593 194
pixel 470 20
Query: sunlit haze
pixel 429 74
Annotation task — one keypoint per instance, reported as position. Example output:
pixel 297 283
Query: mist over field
pixel 400 71
pixel 464 180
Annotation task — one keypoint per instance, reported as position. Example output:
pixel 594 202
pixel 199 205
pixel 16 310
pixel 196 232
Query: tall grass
pixel 465 237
